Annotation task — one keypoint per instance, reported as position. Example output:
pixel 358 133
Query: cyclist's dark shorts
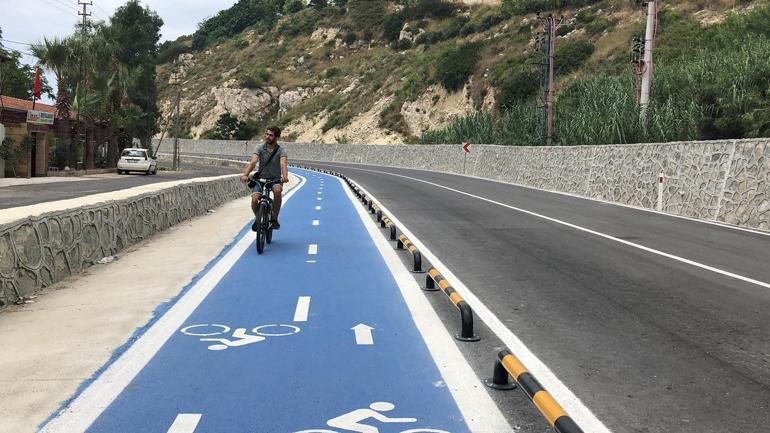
pixel 258 188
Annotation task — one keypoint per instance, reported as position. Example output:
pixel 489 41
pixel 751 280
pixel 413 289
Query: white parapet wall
pixel 45 243
pixel 725 181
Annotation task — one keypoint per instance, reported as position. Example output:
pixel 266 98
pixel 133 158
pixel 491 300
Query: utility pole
pixel 647 66
pixel 174 80
pixel 550 24
pixel 84 33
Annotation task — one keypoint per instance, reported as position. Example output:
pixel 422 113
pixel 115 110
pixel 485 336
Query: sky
pixel 28 21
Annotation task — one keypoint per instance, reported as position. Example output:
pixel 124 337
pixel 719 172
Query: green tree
pixel 293 6
pixel 58 56
pixel 136 32
pixel 18 77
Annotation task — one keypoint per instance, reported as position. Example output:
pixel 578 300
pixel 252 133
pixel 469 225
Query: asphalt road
pixel 24 195
pixel 656 323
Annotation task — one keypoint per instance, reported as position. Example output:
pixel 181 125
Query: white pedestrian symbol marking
pixel 240 336
pixel 353 421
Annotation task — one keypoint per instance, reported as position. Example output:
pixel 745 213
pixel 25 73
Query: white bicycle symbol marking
pixel 240 336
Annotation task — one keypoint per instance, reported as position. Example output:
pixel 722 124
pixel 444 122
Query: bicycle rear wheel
pixel 263 219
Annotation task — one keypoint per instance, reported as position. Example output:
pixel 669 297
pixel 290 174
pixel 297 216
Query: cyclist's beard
pixel 271 142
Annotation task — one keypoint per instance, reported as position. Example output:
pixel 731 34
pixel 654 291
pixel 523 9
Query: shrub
pixel 430 8
pixel 455 27
pixel 366 14
pixel 349 38
pixel 255 79
pixel 332 72
pixel 520 85
pixel 170 50
pixel 293 6
pixel 490 20
pixel 456 65
pixel 301 23
pixel 404 44
pixel 392 119
pixel 570 55
pixel 393 25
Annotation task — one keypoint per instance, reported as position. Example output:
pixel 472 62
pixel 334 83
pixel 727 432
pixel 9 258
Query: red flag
pixel 37 88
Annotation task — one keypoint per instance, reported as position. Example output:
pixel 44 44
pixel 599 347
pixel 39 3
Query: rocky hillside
pixel 375 71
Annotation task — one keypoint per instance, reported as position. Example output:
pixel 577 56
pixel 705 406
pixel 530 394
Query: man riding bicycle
pixel 272 166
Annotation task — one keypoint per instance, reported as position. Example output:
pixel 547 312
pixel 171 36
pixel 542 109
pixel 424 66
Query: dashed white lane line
pixel 83 411
pixel 185 423
pixel 310 261
pixel 316 222
pixel 303 308
pixel 312 249
pixel 319 198
pixel 318 208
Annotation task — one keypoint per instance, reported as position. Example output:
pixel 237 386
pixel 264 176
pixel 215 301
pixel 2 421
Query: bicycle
pixel 264 211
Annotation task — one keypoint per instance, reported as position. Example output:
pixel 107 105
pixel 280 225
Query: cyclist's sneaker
pixel 254 226
pixel 275 225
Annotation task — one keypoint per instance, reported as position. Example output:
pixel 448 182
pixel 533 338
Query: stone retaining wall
pixel 725 181
pixel 40 250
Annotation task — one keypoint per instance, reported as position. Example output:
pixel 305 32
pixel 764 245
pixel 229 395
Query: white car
pixel 135 159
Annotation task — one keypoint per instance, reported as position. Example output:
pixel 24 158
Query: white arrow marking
pixel 303 307
pixel 363 334
pixel 185 423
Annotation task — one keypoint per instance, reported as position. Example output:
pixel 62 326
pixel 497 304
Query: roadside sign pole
pixel 466 151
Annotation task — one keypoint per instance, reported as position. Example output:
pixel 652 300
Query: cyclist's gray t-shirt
pixel 272 170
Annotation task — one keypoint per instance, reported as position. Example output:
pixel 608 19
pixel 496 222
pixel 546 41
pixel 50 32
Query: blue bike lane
pixel 312 336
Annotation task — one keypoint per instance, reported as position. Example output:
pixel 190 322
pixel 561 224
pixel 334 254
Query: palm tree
pixel 58 56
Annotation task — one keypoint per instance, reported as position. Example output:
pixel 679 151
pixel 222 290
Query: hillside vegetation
pixel 433 71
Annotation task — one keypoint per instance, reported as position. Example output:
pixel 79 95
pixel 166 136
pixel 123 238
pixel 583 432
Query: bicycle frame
pixel 265 204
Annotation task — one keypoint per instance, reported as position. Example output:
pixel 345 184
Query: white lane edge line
pixel 302 310
pixel 185 423
pixel 83 411
pixel 568 194
pixel 312 249
pixel 479 411
pixel 571 403
pixel 586 230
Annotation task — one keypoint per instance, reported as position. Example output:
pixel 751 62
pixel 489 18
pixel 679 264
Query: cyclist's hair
pixel 275 130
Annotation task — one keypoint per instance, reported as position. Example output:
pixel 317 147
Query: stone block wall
pixel 725 181
pixel 41 250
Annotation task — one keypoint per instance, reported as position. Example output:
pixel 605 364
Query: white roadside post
pixel 660 193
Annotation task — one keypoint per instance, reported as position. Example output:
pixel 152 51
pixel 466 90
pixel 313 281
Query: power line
pixel 66 5
pixel 15 42
pixel 54 5
pixel 101 9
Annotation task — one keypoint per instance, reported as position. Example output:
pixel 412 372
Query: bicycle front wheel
pixel 264 219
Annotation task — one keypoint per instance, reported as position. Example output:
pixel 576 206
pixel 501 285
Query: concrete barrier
pixel 725 181
pixel 39 250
